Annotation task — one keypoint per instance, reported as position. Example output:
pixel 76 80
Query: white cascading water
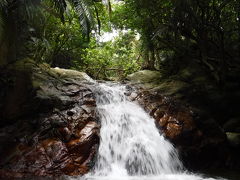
pixel 131 147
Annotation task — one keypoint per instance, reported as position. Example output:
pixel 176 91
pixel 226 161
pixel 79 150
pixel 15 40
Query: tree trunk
pixel 152 59
pixel 223 66
pixel 8 44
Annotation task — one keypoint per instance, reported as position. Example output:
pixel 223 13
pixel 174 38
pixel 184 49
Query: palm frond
pixel 3 3
pixel 29 8
pixel 84 8
pixel 85 14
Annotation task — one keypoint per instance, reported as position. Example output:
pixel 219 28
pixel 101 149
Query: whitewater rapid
pixel 131 147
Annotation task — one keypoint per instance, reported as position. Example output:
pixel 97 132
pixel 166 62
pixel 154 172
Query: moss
pixel 67 73
pixel 36 84
pixel 171 87
pixel 145 76
pixel 25 65
pixel 233 138
pixel 153 80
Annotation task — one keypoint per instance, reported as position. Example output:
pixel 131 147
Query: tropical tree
pixel 16 15
pixel 177 33
pixel 113 59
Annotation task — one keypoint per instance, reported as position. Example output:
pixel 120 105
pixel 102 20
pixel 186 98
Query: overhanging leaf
pixel 83 10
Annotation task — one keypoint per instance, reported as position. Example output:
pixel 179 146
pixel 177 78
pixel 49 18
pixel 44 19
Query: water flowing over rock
pixel 131 146
pixel 50 123
pixel 189 116
pixel 196 141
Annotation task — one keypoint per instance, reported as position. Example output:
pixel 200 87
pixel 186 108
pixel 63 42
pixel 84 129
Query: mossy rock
pixel 25 65
pixel 171 87
pixel 147 79
pixel 68 73
pixel 144 76
pixel 38 86
pixel 232 125
pixel 233 138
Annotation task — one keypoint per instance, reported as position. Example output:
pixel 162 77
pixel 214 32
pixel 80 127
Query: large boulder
pixel 232 125
pixel 201 142
pixel 148 79
pixel 48 123
pixel 145 78
pixel 233 138
pixel 187 109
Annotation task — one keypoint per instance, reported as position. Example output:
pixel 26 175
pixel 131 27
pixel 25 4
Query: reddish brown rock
pixel 164 120
pixel 54 157
pixel 173 130
pixel 57 134
pixel 195 138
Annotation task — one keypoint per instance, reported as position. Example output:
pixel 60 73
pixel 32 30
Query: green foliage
pixel 60 44
pixel 113 59
pixel 85 14
pixel 63 45
pixel 54 42
pixel 56 7
pixel 204 32
pixel 173 34
pixel 19 23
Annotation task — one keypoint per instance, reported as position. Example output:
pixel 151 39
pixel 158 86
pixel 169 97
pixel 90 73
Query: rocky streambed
pixel 50 126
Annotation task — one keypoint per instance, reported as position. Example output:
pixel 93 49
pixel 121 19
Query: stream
pixel 131 147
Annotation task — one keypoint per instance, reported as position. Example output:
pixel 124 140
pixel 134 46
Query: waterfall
pixel 131 147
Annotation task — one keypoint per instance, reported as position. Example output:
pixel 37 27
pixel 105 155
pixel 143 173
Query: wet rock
pixel 188 109
pixel 194 136
pixel 65 133
pixel 71 113
pixel 54 129
pixel 144 76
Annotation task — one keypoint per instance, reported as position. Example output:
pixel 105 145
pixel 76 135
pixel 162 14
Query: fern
pixel 60 6
pixel 85 14
pixel 84 8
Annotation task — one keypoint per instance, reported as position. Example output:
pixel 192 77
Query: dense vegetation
pixel 179 32
pixel 191 47
pixel 66 34
pixel 173 35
